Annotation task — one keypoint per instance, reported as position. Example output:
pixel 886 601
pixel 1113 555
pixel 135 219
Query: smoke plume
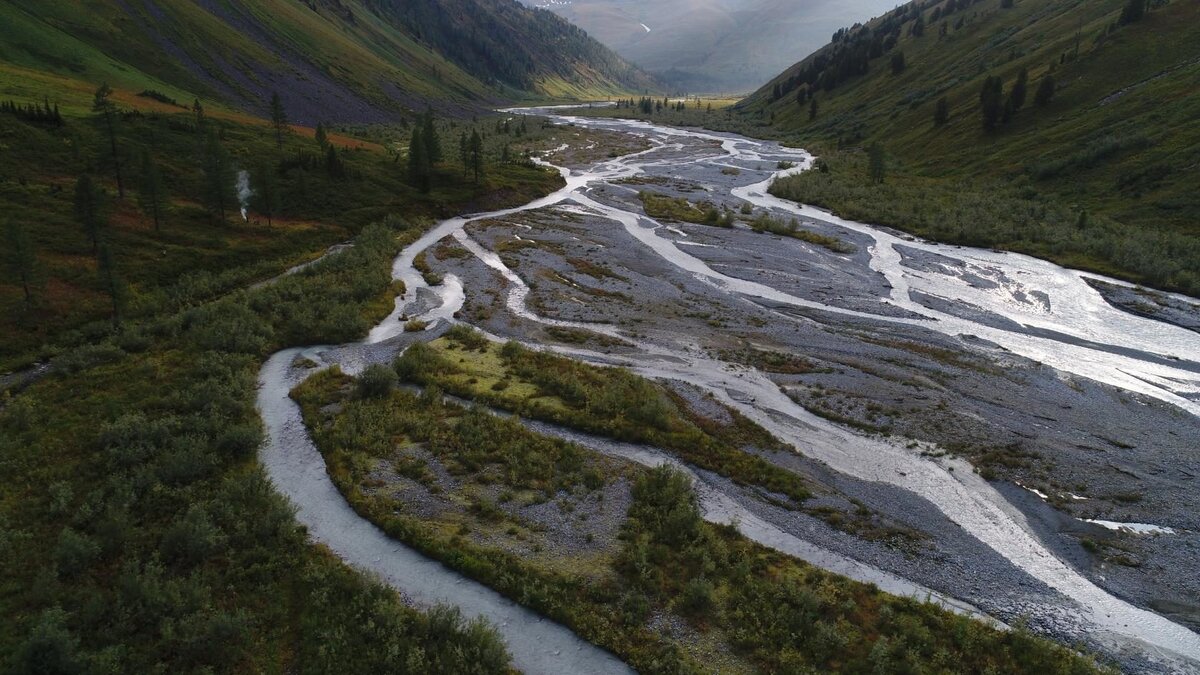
pixel 244 192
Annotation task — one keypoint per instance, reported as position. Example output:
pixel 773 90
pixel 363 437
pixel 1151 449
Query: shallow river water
pixel 1029 307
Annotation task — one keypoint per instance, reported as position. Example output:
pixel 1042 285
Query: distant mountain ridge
pixel 729 46
pixel 333 60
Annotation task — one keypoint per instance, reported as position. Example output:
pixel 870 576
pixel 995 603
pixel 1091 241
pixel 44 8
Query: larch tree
pixel 218 186
pixel 89 210
pixel 1045 92
pixel 464 153
pixel 102 104
pixel 429 136
pixel 152 193
pixel 941 112
pixel 1020 90
pixel 1133 12
pixel 991 102
pixel 267 199
pixel 198 115
pixel 476 147
pixel 20 261
pixel 878 165
pixel 420 172
pixel 113 284
pixel 279 118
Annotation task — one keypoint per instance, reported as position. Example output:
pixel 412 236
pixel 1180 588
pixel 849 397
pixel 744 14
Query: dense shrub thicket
pixel 610 402
pixel 168 548
pixel 1003 217
pixel 774 612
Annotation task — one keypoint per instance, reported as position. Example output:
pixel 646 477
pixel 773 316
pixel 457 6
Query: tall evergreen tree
pixel 813 108
pixel 102 104
pixel 918 27
pixel 1133 12
pixel 941 112
pixel 218 193
pixel 433 143
pixel 333 163
pixel 1045 92
pixel 152 194
pixel 464 152
pixel 266 198
pixel 322 136
pixel 113 284
pixel 1020 90
pixel 89 210
pixel 476 147
pixel 991 100
pixel 198 115
pixel 898 64
pixel 278 118
pixel 20 260
pixel 878 168
pixel 419 169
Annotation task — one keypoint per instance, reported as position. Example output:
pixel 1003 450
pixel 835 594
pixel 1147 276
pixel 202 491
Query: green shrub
pixel 74 552
pixel 189 540
pixel 468 337
pixel 376 381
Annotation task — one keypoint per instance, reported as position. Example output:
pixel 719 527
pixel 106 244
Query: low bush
pixel 376 381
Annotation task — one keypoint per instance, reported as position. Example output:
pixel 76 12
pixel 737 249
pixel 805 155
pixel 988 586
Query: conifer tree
pixel 433 143
pixel 113 284
pixel 198 114
pixel 266 197
pixel 476 146
pixel 941 112
pixel 152 194
pixel 464 152
pixel 1020 90
pixel 89 210
pixel 1133 12
pixel 102 104
pixel 813 108
pixel 333 163
pixel 1045 92
pixel 278 118
pixel 322 136
pixel 419 169
pixel 991 100
pixel 218 178
pixel 878 168
pixel 20 261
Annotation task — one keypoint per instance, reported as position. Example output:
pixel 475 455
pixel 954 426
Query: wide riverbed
pixel 1043 333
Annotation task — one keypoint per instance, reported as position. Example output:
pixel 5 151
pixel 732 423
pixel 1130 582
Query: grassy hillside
pixel 330 60
pixel 137 529
pixel 1102 176
pixel 193 255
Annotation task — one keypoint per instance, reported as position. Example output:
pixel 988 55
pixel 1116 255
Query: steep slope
pixel 713 45
pixel 1099 174
pixel 339 60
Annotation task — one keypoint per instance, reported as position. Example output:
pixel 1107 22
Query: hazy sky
pixel 731 45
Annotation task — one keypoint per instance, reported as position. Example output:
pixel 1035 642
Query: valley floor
pixel 987 410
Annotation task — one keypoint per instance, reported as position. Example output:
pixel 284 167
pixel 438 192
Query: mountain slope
pixel 340 60
pixel 713 45
pixel 1102 176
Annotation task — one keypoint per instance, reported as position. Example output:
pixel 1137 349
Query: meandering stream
pixel 1035 309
